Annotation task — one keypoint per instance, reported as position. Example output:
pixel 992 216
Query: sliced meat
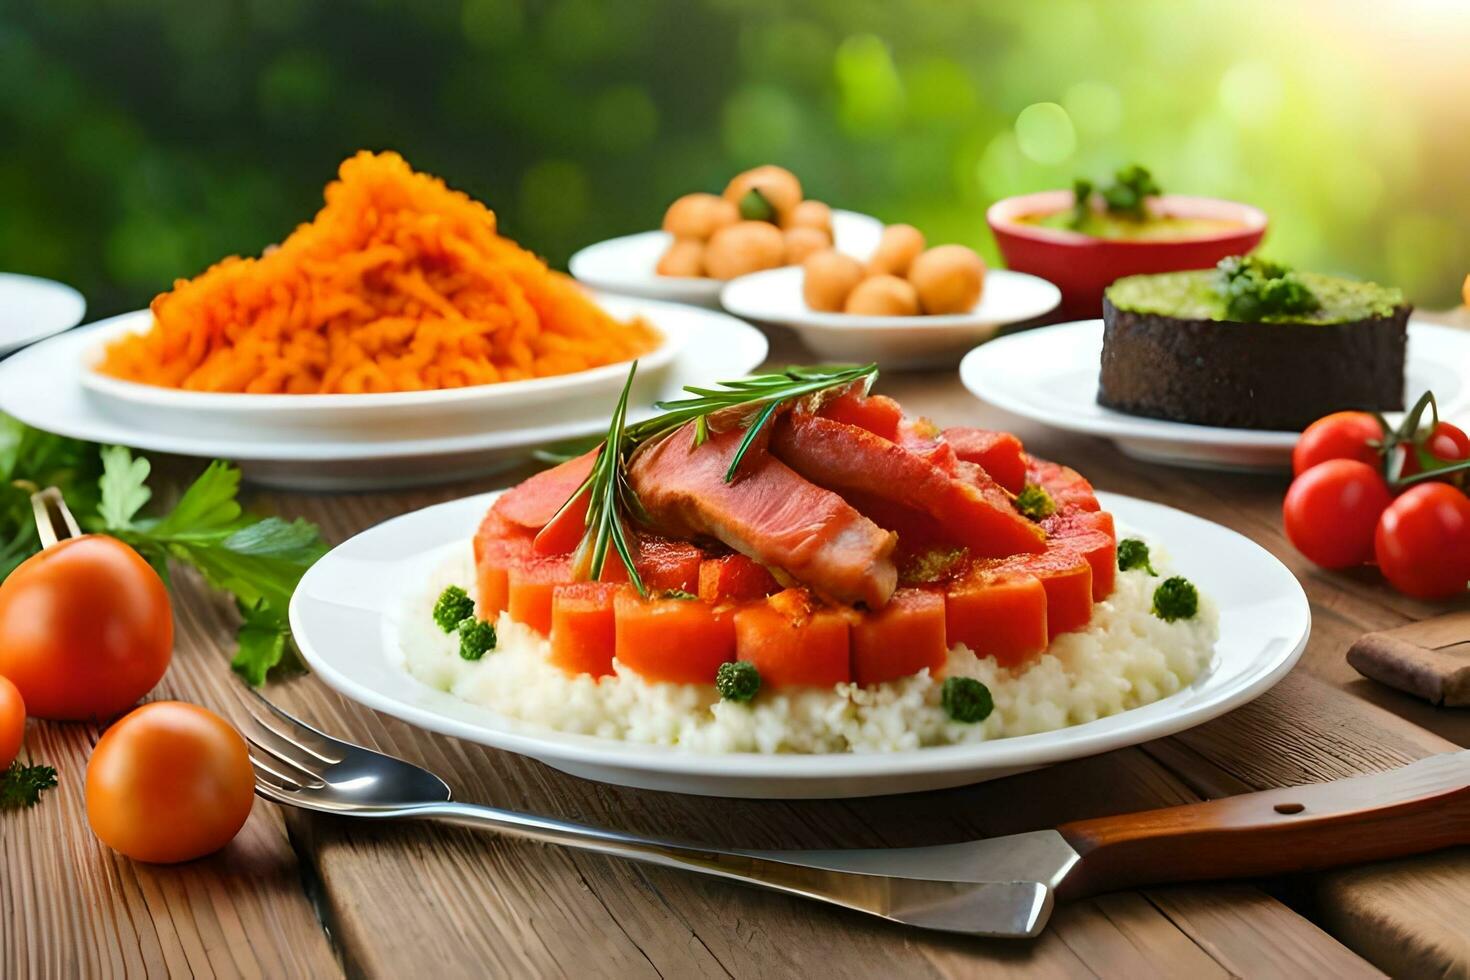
pixel 734 578
pixel 768 513
pixel 876 413
pixel 499 546
pixel 920 437
pixel 974 511
pixel 534 502
pixel 1090 534
pixel 532 584
pixel 665 565
pixel 1067 578
pixel 1066 486
pixel 999 453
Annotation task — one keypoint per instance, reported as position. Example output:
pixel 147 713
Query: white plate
pixel 344 616
pixel 391 415
pixel 32 308
pixel 893 341
pixel 1050 375
pixel 626 265
pixel 42 386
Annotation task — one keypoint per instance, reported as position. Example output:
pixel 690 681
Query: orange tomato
pixel 169 782
pixel 12 723
pixel 85 629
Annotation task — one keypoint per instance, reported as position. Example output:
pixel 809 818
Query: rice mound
pixel 1125 659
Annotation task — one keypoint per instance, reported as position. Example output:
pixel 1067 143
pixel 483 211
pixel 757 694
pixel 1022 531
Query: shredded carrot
pixel 398 284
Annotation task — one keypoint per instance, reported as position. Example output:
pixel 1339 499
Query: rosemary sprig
pixel 607 487
pixel 762 395
pixel 749 402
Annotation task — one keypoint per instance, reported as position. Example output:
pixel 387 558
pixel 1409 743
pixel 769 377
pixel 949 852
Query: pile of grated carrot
pixel 398 284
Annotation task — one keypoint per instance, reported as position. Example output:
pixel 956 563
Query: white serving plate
pixel 626 265
pixel 893 341
pixel 391 415
pixel 346 610
pixel 42 386
pixel 1050 375
pixel 32 308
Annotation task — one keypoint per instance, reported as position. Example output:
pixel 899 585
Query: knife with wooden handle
pixel 1424 806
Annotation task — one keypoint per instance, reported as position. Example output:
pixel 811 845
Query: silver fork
pixel 966 888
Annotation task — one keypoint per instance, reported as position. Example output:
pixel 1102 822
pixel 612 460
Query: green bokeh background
pixel 141 140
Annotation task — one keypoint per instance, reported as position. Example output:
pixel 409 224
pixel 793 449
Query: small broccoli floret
pixel 476 638
pixel 1128 193
pixel 1081 202
pixel 1133 553
pixel 966 699
pixel 1176 598
pixel 737 680
pixel 1034 502
pixel 453 607
pixel 679 594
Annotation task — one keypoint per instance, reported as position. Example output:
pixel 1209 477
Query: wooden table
pixel 297 895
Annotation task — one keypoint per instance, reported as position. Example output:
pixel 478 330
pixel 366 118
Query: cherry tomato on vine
pixel 1341 435
pixel 1332 509
pixel 86 629
pixel 1423 541
pixel 12 723
pixel 169 782
pixel 1447 442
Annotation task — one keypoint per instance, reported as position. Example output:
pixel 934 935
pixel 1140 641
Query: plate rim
pixel 742 334
pixel 1138 428
pixel 26 338
pixel 804 319
pixel 156 396
pixel 668 286
pixel 988 756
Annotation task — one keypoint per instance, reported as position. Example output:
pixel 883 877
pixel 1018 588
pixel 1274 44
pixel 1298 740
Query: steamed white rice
pixel 1126 658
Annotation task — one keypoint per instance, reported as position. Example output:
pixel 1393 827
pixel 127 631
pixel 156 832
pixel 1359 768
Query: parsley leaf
pixel 262 642
pixel 21 786
pixel 124 486
pixel 206 510
pixel 257 560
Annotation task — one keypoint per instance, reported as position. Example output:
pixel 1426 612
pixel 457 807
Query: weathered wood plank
pixel 70 907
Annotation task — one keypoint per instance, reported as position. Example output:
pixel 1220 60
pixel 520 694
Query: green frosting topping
pixel 1249 290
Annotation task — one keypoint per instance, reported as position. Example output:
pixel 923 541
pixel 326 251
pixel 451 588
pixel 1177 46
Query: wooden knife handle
pixel 1421 807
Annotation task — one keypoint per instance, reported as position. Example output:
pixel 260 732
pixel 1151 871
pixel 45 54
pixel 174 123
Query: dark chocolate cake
pixel 1268 350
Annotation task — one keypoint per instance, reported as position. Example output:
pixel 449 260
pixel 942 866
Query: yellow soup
pixel 1103 224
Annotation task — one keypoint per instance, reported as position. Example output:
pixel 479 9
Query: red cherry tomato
pixel 1423 541
pixel 85 629
pixel 1331 510
pixel 1447 442
pixel 12 723
pixel 169 782
pixel 1341 435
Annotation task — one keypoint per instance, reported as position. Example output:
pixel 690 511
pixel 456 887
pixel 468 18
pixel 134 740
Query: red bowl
pixel 1083 266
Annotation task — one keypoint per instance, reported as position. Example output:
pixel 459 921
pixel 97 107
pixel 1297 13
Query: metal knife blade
pixel 1012 880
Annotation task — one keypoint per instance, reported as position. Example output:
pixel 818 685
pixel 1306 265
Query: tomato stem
pixel 54 520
